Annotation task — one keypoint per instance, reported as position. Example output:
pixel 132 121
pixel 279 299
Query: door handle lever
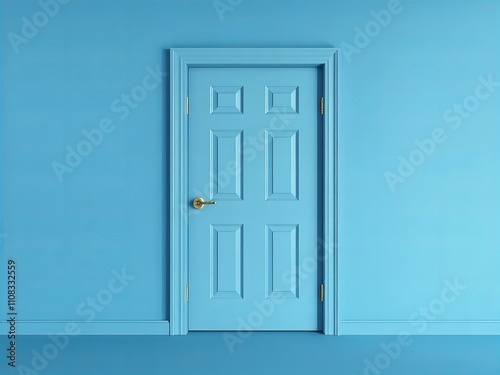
pixel 199 203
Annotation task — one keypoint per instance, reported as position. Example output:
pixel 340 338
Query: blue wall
pixel 439 221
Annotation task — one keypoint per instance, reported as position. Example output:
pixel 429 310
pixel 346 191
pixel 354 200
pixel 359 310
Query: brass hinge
pixel 187 105
pixel 187 292
pixel 322 105
pixel 322 292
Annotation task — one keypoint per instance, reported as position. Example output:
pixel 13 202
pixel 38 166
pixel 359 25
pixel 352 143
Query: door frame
pixel 181 59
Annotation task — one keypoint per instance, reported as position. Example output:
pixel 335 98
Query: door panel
pixel 282 260
pixel 281 165
pixel 226 147
pixel 226 261
pixel 253 148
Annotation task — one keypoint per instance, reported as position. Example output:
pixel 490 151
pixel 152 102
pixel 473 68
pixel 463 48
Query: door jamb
pixel 181 59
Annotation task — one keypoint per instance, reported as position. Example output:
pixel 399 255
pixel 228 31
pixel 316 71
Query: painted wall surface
pixel 79 205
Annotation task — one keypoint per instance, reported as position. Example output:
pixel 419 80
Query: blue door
pixel 254 150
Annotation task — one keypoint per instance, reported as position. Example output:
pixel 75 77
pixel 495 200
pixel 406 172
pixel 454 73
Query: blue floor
pixel 261 353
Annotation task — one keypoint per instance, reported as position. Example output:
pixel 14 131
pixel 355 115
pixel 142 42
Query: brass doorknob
pixel 199 203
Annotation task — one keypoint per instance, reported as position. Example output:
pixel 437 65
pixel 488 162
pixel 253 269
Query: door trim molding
pixel 181 59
